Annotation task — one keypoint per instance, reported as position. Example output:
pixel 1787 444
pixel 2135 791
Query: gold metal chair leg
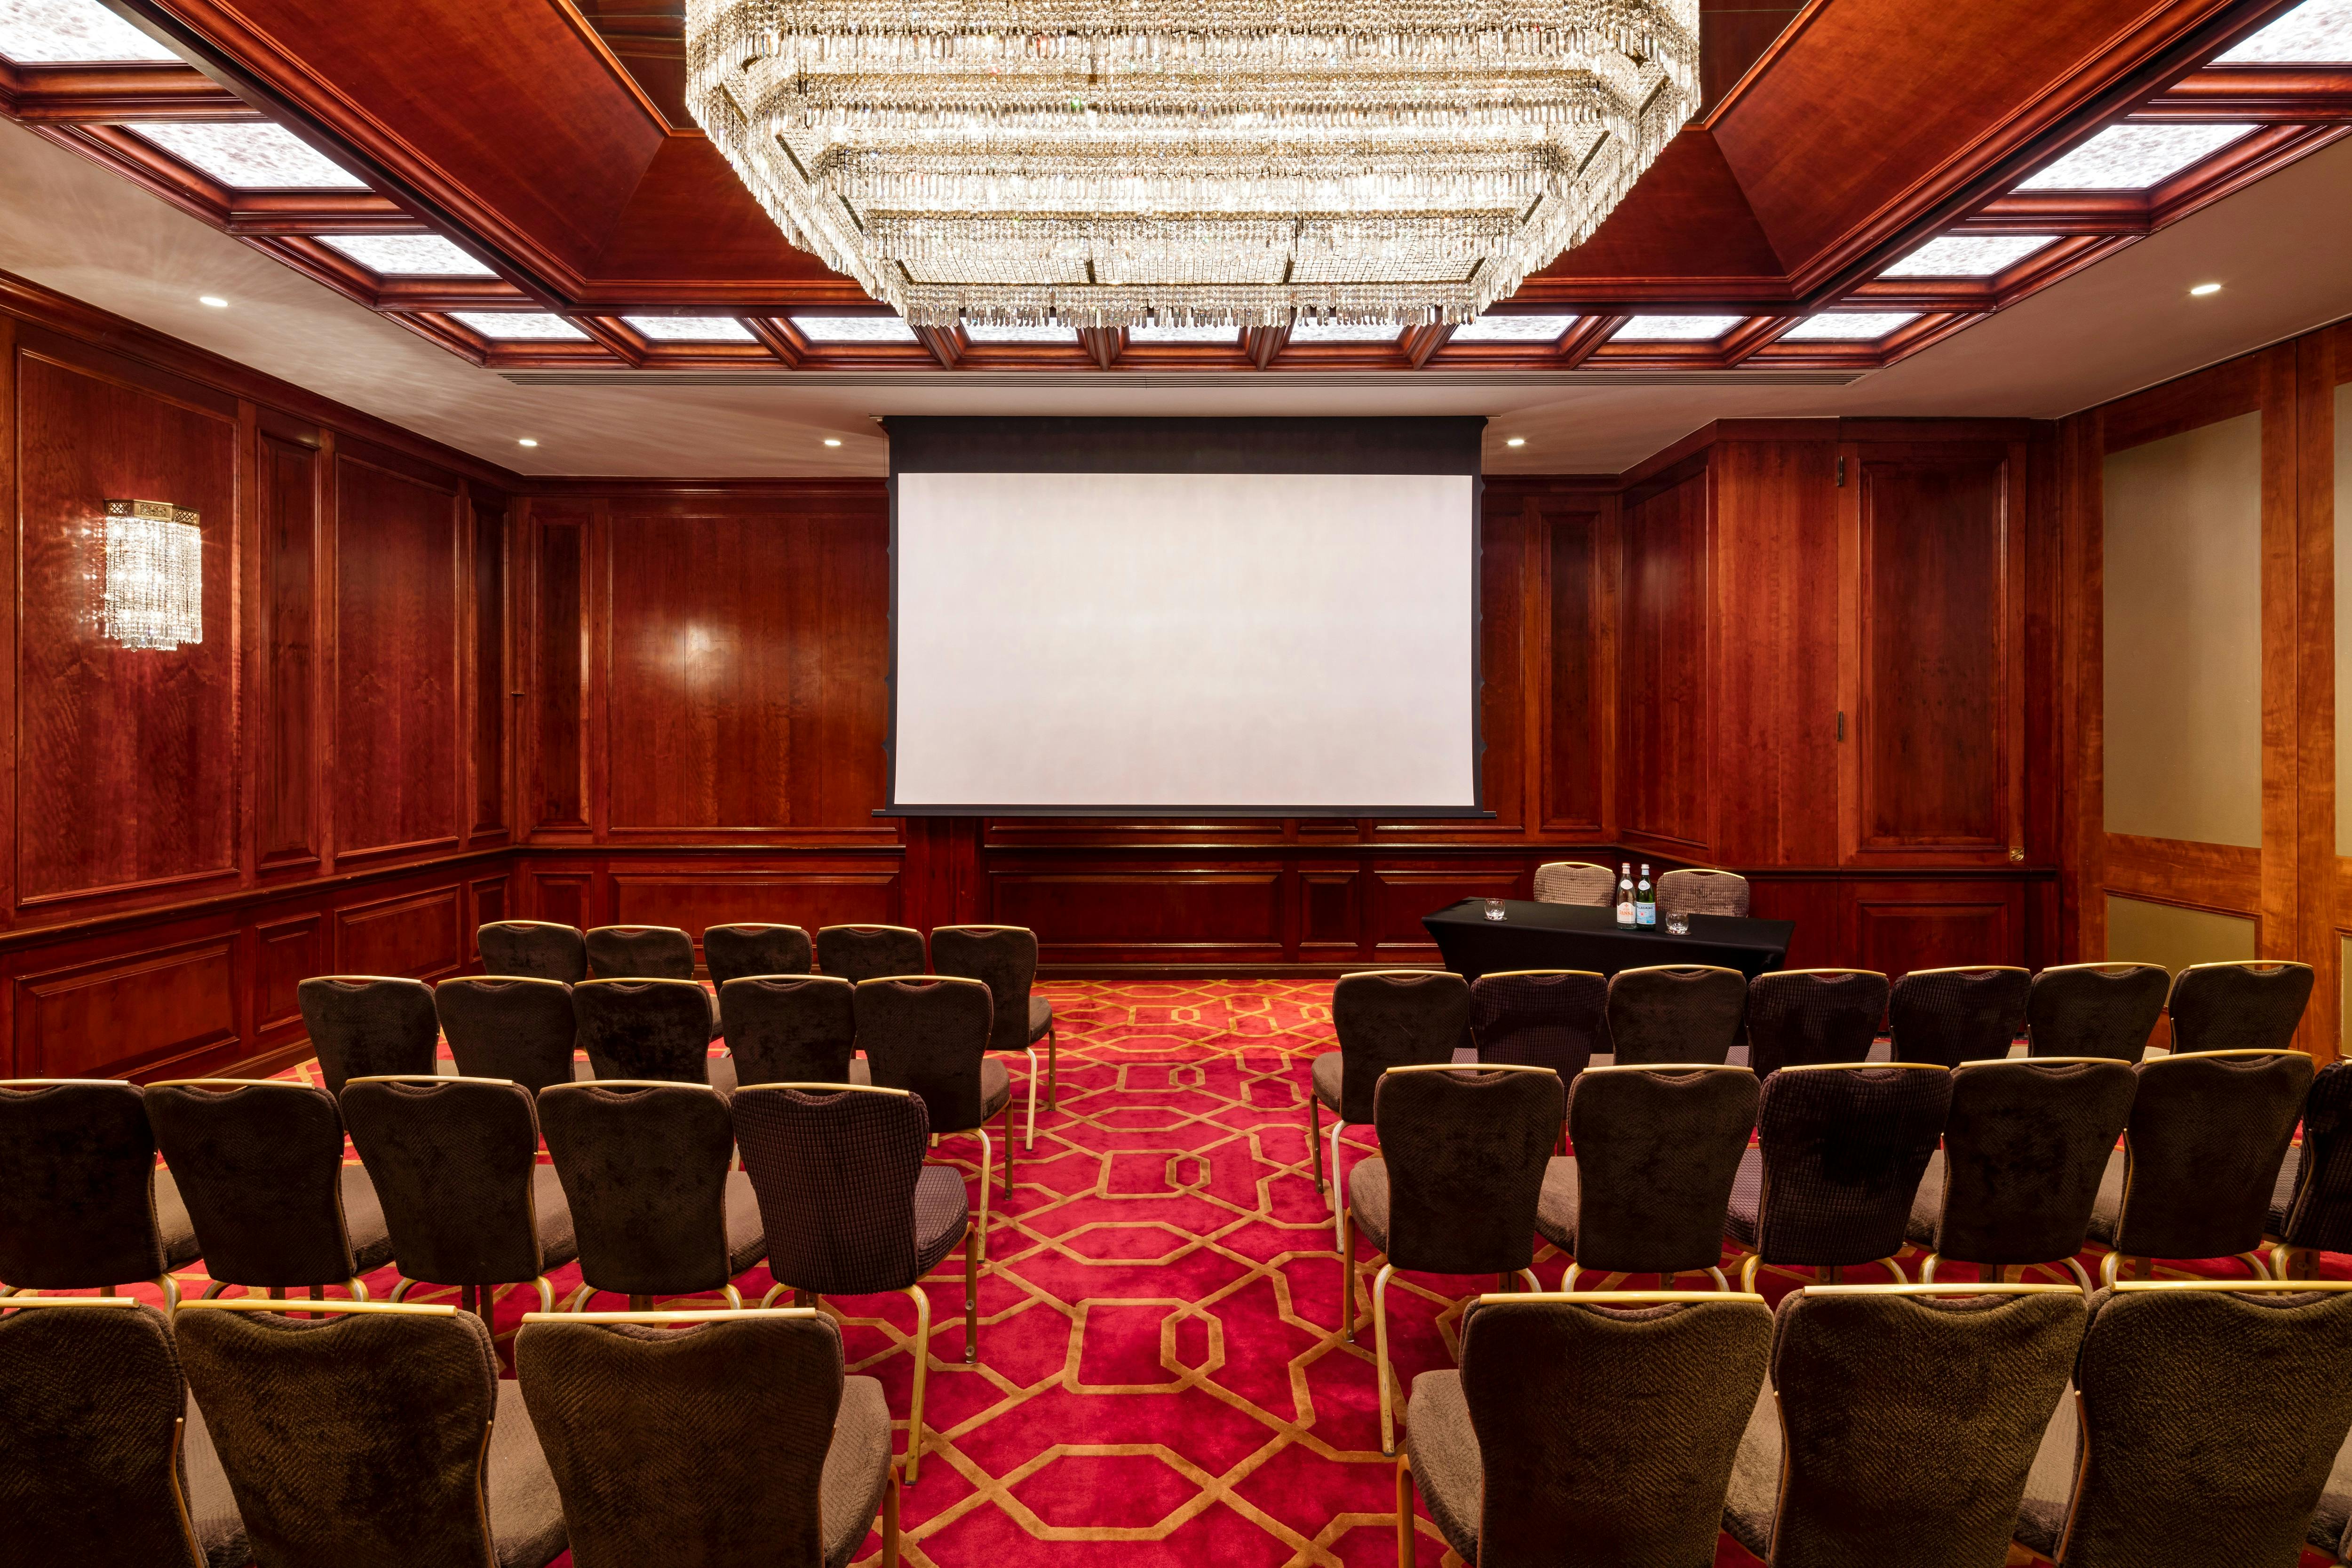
pixel 1720 1282
pixel 1927 1269
pixel 1381 1357
pixel 734 1296
pixel 580 1298
pixel 2294 1262
pixel 774 1290
pixel 1031 1145
pixel 922 1376
pixel 1315 1139
pixel 1535 1287
pixel 1895 1269
pixel 2253 1260
pixel 890 1526
pixel 546 1293
pixel 1567 1276
pixel 2081 1277
pixel 1008 1145
pixel 1052 1059
pixel 971 1298
pixel 1346 1276
pixel 1747 1267
pixel 171 1288
pixel 359 1291
pixel 1405 1512
pixel 401 1288
pixel 1338 1181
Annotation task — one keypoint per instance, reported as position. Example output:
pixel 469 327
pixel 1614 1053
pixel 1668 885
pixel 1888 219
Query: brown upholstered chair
pixel 639 952
pixel 859 954
pixel 792 1028
pixel 650 1029
pixel 2094 1009
pixel 851 1208
pixel 1952 1015
pixel 1797 1017
pixel 2205 1418
pixel 2025 1147
pixel 364 1024
pixel 1556 1018
pixel 535 950
pixel 456 1166
pixel 1384 1018
pixel 1592 1431
pixel 1900 1422
pixel 1699 892
pixel 1657 1149
pixel 655 1211
pixel 2237 1006
pixel 2200 1158
pixel 380 1436
pixel 1454 1188
pixel 737 952
pixel 1840 1149
pixel 260 1166
pixel 103 1458
pixel 1005 959
pixel 511 1026
pixel 929 1036
pixel 1575 882
pixel 2311 1206
pixel 82 1204
pixel 655 1439
pixel 1676 1013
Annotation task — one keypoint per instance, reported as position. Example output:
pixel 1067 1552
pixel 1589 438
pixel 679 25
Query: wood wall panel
pixel 1402 894
pixel 491 901
pixel 1231 913
pixel 490 705
pixel 562 896
pixel 141 1011
pixel 1664 774
pixel 287 780
pixel 1903 926
pixel 420 936
pixel 559 707
pixel 286 953
pixel 809 895
pixel 1578 712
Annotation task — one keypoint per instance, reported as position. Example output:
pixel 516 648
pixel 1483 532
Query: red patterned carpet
pixel 1161 1379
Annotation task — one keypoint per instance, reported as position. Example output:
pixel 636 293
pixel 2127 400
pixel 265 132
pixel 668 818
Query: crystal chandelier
pixel 154 590
pixel 1111 162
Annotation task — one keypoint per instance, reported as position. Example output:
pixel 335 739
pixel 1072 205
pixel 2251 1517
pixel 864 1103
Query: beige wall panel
pixel 2183 607
pixel 2142 933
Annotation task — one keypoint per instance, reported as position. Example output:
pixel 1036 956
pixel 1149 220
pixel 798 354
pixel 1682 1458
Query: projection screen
pixel 1184 617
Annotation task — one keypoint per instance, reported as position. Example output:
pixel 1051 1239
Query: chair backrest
pixel 859 954
pixel 640 953
pixel 1608 1423
pixel 1929 1401
pixel 2202 1150
pixel 1556 1018
pixel 452 1159
pixel 1703 892
pixel 644 1028
pixel 2025 1144
pixel 2319 1214
pixel 1656 1152
pixel 1952 1015
pixel 77 1185
pixel 364 1024
pixel 90 1466
pixel 836 1174
pixel 2180 1465
pixel 1004 959
pixel 1393 1017
pixel 643 1168
pixel 2094 1009
pixel 732 952
pixel 1575 882
pixel 360 1438
pixel 1801 1017
pixel 510 1026
pixel 1466 1151
pixel 790 1028
pixel 927 1035
pixel 2237 1006
pixel 1844 1147
pixel 646 1458
pixel 260 1166
pixel 1676 1013
pixel 538 950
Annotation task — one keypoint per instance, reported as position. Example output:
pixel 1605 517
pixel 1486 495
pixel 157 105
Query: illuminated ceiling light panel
pixel 2317 32
pixel 1019 332
pixel 1514 330
pixel 519 326
pixel 854 329
pixel 61 32
pixel 1850 326
pixel 2134 157
pixel 1171 334
pixel 1675 329
pixel 1344 333
pixel 248 154
pixel 691 329
pixel 406 254
pixel 1969 255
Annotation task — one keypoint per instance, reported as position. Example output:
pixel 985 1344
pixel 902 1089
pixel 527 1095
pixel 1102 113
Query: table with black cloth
pixel 1587 936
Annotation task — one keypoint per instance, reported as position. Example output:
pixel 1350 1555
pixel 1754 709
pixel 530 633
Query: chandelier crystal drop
pixel 1232 162
pixel 155 587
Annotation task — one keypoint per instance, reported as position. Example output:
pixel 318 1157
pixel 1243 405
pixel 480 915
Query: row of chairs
pixel 1698 890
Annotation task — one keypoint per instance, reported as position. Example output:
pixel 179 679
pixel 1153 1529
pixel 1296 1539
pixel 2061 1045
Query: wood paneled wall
pixel 318 786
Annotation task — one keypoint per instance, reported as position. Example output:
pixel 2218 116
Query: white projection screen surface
pixel 1184 643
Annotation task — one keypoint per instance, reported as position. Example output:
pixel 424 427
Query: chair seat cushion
pixel 1444 1447
pixel 1326 1076
pixel 1041 1017
pixel 2050 1485
pixel 1556 1207
pixel 942 1211
pixel 1927 1204
pixel 722 1073
pixel 2283 1191
pixel 995 1087
pixel 2108 1208
pixel 1747 1198
pixel 558 1242
pixel 747 1240
pixel 172 1224
pixel 211 1508
pixel 1368 1200
pixel 526 1513
pixel 857 1469
pixel 1755 1495
pixel 860 1071
pixel 363 1221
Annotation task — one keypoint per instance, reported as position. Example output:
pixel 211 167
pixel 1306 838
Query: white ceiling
pixel 2128 322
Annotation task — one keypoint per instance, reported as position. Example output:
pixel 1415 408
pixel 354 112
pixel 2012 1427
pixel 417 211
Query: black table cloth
pixel 1586 936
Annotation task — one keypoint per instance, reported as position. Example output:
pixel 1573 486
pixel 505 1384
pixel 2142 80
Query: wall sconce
pixel 155 575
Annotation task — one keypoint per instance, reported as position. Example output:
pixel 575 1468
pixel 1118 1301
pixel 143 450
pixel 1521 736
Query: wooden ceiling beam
pixel 1420 342
pixel 1105 343
pixel 777 339
pixel 1262 344
pixel 2301 94
pixel 946 343
pixel 1582 341
pixel 71 94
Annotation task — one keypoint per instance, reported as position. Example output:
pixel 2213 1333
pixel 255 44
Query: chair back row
pixel 1696 890
pixel 546 951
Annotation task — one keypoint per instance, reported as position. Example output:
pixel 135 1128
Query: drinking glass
pixel 1495 910
pixel 1678 923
